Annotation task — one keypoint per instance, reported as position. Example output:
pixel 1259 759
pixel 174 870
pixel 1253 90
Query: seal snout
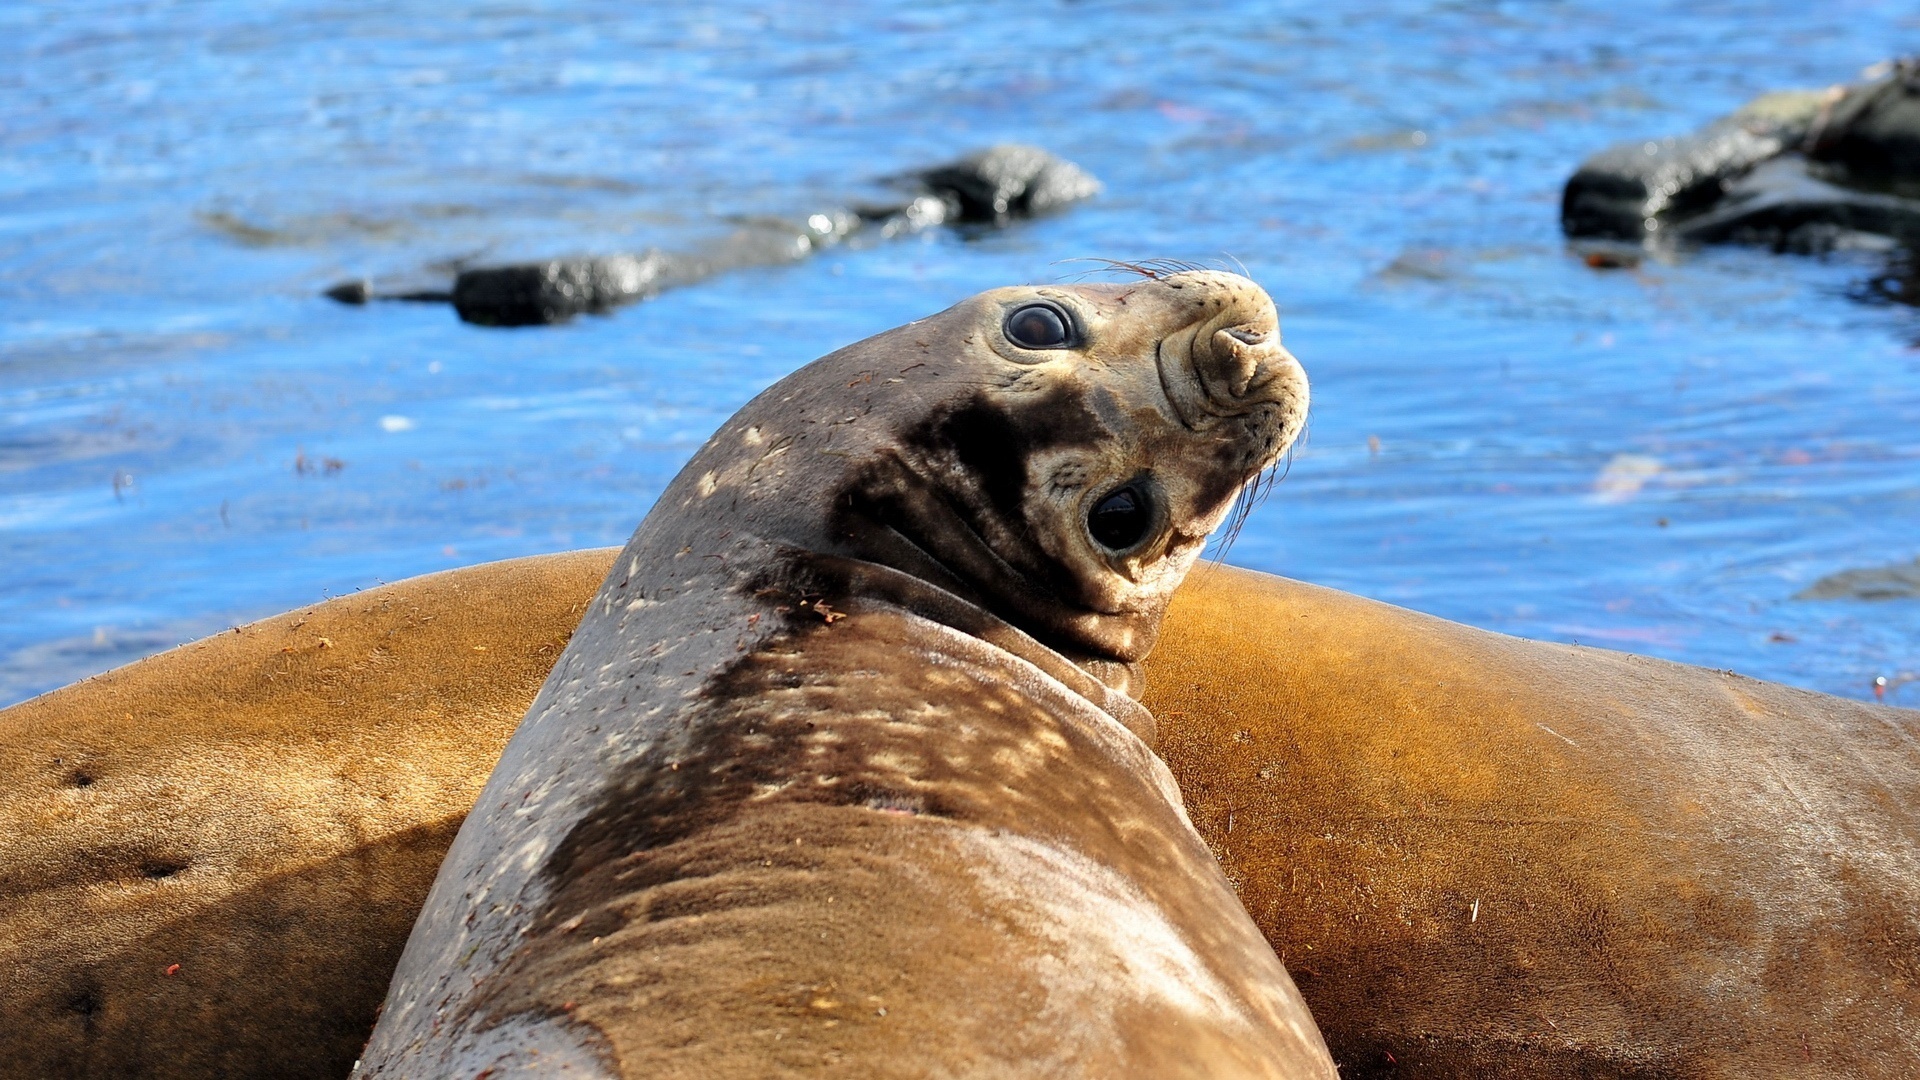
pixel 1233 363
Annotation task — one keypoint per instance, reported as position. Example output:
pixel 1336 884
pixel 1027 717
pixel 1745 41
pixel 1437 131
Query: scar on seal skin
pixel 842 772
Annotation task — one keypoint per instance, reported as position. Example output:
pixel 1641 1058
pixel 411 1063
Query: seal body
pixel 840 775
pixel 1488 857
pixel 1366 774
pixel 212 857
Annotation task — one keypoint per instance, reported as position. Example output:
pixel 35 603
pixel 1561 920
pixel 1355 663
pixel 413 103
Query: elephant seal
pixel 309 792
pixel 213 855
pixel 839 774
pixel 1488 857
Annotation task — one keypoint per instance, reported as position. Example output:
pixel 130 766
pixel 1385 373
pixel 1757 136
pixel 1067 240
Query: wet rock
pixel 360 291
pixel 1784 205
pixel 534 294
pixel 1803 171
pixel 991 188
pixel 1871 135
pixel 1635 190
pixel 355 292
pixel 1007 181
pixel 1900 581
pixel 889 221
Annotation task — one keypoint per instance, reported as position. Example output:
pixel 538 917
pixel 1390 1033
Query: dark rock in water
pixel 992 187
pixel 534 294
pixel 1807 172
pixel 355 292
pixel 1634 190
pixel 1873 132
pixel 891 220
pixel 1008 181
pixel 1900 581
pixel 1784 205
pixel 359 291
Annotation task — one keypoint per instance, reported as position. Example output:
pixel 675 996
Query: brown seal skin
pixel 1281 708
pixel 212 857
pixel 1488 857
pixel 838 775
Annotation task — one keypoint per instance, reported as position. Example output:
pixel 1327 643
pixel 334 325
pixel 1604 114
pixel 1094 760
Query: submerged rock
pixel 1008 181
pixel 356 292
pixel 1872 133
pixel 1900 581
pixel 992 188
pixel 1803 171
pixel 534 293
pixel 1635 189
pixel 1784 204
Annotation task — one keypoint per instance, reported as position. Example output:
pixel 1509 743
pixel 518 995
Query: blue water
pixel 191 437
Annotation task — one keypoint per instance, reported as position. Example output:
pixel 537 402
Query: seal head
pixel 1092 438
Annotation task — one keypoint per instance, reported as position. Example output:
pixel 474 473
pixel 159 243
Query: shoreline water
pixel 1499 430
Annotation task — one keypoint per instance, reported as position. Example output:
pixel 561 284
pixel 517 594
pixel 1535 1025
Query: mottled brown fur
pixel 1488 857
pixel 264 809
pixel 847 783
pixel 1347 761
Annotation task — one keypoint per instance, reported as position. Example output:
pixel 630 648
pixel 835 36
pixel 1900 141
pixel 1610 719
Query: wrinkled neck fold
pixel 897 518
pixel 855 584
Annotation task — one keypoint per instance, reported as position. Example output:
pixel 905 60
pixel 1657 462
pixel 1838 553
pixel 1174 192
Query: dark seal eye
pixel 1120 520
pixel 1039 326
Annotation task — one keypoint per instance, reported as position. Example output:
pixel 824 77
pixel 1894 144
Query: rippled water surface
pixel 1653 459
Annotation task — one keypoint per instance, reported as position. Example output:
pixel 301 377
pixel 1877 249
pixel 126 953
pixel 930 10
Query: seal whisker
pixel 1251 496
pixel 1150 270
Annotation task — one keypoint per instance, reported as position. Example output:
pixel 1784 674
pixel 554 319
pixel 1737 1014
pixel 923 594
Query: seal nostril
pixel 1236 362
pixel 1120 520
